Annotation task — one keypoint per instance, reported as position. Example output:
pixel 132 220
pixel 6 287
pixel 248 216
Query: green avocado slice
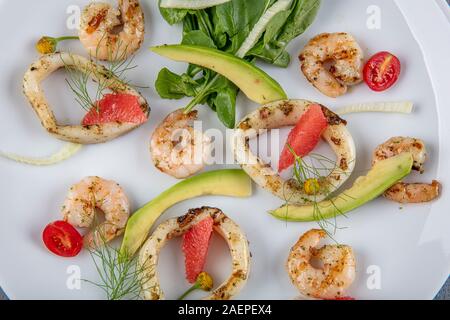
pixel 233 183
pixel 257 85
pixel 383 175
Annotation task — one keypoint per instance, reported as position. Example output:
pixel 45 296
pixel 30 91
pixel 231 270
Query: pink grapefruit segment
pixel 195 248
pixel 304 137
pixel 117 107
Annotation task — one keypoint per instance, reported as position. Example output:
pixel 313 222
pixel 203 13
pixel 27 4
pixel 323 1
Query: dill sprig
pixel 112 76
pixel 120 279
pixel 317 169
pixel 121 276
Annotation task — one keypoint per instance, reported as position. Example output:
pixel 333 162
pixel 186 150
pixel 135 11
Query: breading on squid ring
pixel 288 113
pixel 229 230
pixel 91 134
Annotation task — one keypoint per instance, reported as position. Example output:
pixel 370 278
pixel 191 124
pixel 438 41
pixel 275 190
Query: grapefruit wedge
pixel 117 107
pixel 195 248
pixel 304 137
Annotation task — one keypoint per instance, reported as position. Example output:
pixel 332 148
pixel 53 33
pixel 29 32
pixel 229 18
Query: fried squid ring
pixel 288 113
pixel 229 230
pixel 91 134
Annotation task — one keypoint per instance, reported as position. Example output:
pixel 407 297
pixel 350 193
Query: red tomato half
pixel 62 239
pixel 382 71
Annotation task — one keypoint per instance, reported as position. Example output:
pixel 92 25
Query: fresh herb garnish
pixel 111 75
pixel 121 276
pixel 311 176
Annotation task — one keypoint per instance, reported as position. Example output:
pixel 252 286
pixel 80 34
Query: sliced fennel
pixel 388 107
pixel 67 151
pixel 190 4
pixel 261 26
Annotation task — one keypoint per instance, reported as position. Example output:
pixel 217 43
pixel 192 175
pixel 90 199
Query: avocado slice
pixel 381 177
pixel 233 183
pixel 257 85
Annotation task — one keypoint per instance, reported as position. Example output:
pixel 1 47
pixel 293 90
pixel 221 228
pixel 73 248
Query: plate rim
pixel 422 18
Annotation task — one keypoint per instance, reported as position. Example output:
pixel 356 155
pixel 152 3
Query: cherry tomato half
pixel 382 71
pixel 62 239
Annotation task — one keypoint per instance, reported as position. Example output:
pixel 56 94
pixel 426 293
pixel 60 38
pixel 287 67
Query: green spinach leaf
pixel 170 85
pixel 226 27
pixel 173 16
pixel 284 27
pixel 198 37
pixel 234 20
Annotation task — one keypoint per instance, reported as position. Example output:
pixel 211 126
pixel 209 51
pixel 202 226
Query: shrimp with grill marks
pixel 331 280
pixel 93 193
pixel 98 30
pixel 408 192
pixel 345 56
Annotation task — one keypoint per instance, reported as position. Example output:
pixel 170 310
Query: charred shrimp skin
pixel 403 192
pixel 98 21
pixel 413 192
pixel 287 113
pixel 330 281
pixel 177 148
pixel 224 226
pixel 92 134
pixel 345 55
pixel 90 194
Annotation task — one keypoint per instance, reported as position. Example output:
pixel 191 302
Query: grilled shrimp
pixel 397 145
pixel 330 281
pixel 407 192
pixel 96 193
pixel 345 55
pixel 177 148
pixel 99 22
pixel 413 192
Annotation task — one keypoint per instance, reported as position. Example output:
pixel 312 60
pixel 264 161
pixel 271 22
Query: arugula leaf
pixel 222 99
pixel 170 85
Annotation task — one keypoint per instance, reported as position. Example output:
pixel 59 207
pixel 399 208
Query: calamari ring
pixel 228 229
pixel 287 113
pixel 48 64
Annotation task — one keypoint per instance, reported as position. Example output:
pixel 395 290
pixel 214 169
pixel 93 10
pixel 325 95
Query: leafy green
pixel 283 28
pixel 198 37
pixel 234 21
pixel 223 101
pixel 226 27
pixel 173 86
pixel 173 16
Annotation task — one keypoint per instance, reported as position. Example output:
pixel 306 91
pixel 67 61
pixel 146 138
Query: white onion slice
pixel 388 107
pixel 66 152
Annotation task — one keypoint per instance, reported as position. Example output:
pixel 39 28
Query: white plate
pixel 410 247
